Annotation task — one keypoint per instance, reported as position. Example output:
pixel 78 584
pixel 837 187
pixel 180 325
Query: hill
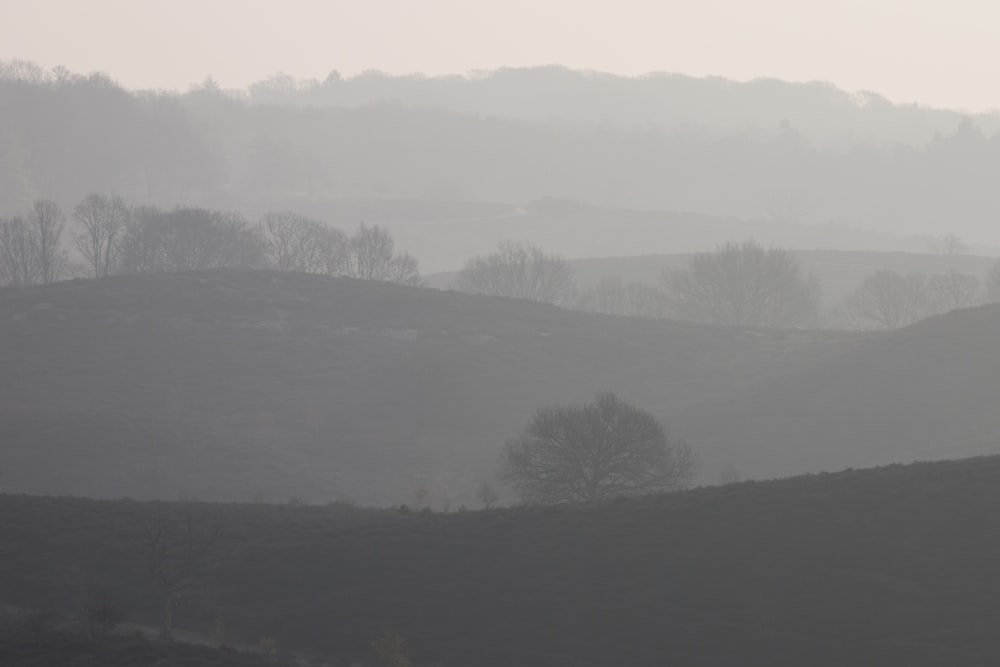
pixel 892 567
pixel 618 237
pixel 234 385
pixel 925 392
pixel 58 648
pixel 66 136
pixel 841 271
pixel 237 384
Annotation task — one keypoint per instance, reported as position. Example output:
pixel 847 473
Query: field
pixel 889 566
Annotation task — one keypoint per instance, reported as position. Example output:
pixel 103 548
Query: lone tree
pixel 518 270
pixel 181 559
pixel 595 451
pixel 744 284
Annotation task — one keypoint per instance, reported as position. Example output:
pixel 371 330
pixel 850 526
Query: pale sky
pixel 935 52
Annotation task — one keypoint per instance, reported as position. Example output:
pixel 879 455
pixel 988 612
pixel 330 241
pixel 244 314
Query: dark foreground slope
pixel 56 649
pixel 891 566
pixel 234 385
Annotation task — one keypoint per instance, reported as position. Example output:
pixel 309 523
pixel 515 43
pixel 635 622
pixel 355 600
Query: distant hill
pixel 580 231
pixel 238 385
pixel 925 392
pixel 717 148
pixel 891 567
pixel 841 271
pixel 826 115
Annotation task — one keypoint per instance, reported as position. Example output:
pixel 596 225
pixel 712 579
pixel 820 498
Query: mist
pixel 547 334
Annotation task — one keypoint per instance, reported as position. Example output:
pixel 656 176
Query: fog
pixel 447 333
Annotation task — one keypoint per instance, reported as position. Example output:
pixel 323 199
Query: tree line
pixel 112 237
pixel 66 135
pixel 737 284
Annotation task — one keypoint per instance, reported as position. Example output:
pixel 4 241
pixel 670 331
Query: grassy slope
pixel 929 391
pixel 56 649
pixel 891 566
pixel 229 385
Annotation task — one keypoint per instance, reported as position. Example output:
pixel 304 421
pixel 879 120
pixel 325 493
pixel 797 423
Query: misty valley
pixel 535 366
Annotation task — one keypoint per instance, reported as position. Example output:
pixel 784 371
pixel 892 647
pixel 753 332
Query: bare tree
pixel 612 296
pixel 103 221
pixel 888 300
pixel 295 243
pixel 744 284
pixel 372 256
pixel 487 495
pixel 18 264
pixel 518 270
pixel 993 284
pixel 47 223
pixel 952 290
pixel 949 244
pixel 181 557
pixel 187 239
pixel 596 451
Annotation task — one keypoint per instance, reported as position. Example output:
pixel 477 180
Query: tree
pixel 103 221
pixel 47 222
pixel 993 284
pixel 180 559
pixel 595 451
pixel 487 495
pixel 952 290
pixel 518 270
pixel 888 300
pixel 744 284
pixel 949 244
pixel 372 256
pixel 187 239
pixel 295 243
pixel 389 650
pixel 611 296
pixel 103 615
pixel 18 265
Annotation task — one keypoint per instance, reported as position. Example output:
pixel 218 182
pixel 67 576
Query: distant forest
pixel 787 152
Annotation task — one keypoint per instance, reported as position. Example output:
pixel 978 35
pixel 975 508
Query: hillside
pixel 929 391
pixel 239 385
pixel 66 136
pixel 841 271
pixel 235 385
pixel 891 567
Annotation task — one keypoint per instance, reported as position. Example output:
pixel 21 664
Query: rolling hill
pixel 894 566
pixel 840 271
pixel 237 385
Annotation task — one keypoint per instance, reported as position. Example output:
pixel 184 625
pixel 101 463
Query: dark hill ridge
pixel 234 385
pixel 231 385
pixel 893 566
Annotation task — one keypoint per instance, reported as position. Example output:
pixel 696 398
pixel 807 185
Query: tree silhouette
pixel 518 270
pixel 595 451
pixel 744 284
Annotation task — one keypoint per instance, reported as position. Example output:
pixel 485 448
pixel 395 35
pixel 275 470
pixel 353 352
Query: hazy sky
pixel 929 51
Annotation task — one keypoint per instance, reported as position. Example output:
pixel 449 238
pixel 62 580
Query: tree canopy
pixel 595 451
